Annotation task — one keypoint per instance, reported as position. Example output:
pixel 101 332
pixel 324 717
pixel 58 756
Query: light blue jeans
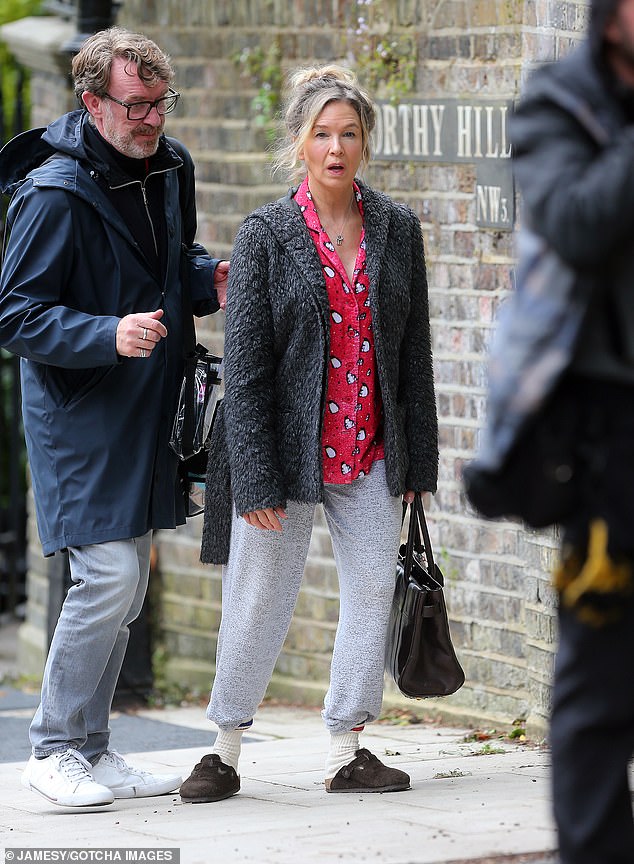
pixel 259 591
pixel 88 646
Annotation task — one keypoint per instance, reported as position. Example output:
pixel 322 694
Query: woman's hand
pixel 408 497
pixel 267 519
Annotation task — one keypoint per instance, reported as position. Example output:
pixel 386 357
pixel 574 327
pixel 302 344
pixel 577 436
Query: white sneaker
pixel 124 781
pixel 65 779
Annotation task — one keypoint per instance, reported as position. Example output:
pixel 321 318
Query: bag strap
pixel 422 524
pixel 189 345
pixel 418 539
pixel 412 533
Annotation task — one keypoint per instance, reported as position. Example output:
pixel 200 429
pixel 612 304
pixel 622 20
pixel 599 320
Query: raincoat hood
pixel 19 156
pixel 29 150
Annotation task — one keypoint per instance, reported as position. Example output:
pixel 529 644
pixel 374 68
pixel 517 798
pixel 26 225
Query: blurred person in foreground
pixel 329 398
pixel 579 195
pixel 91 299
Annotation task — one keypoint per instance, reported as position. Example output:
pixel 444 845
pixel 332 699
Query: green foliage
pixel 517 734
pixel 264 70
pixel 449 568
pixel 11 10
pixel 385 62
pixel 9 77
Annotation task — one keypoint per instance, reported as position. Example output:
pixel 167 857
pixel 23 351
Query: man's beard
pixel 133 147
pixel 126 142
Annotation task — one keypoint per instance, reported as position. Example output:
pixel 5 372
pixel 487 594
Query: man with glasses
pixel 100 234
pixel 140 110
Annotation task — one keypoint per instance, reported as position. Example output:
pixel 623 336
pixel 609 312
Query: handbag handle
pixel 189 348
pixel 418 539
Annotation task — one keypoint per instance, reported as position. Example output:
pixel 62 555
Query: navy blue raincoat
pixel 97 425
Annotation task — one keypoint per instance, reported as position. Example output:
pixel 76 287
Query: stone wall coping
pixel 37 42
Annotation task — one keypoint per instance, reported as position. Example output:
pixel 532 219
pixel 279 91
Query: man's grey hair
pixel 92 66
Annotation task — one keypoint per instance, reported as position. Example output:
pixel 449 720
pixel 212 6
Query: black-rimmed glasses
pixel 140 110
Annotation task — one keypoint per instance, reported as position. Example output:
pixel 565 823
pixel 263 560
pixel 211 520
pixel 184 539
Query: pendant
pixel 339 239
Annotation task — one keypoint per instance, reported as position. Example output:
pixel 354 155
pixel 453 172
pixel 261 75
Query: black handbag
pixel 196 409
pixel 420 656
pixel 193 423
pixel 197 403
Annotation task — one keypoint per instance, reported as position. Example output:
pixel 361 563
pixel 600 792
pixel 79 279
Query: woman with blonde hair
pixel 329 399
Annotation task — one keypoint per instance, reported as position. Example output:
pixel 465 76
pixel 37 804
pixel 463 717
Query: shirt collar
pixel 305 201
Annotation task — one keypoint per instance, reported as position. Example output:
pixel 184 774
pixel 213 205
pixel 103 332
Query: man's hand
pixel 139 334
pixel 221 274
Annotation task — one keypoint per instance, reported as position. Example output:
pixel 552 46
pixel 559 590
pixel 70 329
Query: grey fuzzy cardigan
pixel 266 443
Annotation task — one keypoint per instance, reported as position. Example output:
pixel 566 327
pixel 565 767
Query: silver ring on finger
pixel 144 337
pixel 142 352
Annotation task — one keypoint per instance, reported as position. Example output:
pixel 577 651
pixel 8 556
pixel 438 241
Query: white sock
pixel 228 745
pixel 342 751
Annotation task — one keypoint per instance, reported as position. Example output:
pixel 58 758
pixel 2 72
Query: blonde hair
pixel 91 67
pixel 310 90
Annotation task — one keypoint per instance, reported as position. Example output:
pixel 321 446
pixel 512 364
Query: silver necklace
pixel 339 239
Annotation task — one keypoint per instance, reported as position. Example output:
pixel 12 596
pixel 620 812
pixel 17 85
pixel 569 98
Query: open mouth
pixel 336 168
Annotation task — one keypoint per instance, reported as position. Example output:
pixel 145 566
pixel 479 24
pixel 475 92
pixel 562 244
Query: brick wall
pixel 501 605
pixel 500 602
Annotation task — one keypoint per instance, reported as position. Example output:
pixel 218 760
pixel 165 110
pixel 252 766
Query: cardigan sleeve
pixel 417 373
pixel 250 403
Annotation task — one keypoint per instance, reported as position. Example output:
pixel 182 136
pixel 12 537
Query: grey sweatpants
pixel 259 591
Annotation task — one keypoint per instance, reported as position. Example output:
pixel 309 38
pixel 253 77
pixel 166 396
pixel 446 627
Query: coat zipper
pixel 147 210
pixel 145 201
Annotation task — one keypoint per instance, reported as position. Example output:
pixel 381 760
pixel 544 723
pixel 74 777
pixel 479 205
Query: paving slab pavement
pixel 466 804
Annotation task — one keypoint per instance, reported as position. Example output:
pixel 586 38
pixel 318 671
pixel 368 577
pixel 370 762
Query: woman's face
pixel 332 152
